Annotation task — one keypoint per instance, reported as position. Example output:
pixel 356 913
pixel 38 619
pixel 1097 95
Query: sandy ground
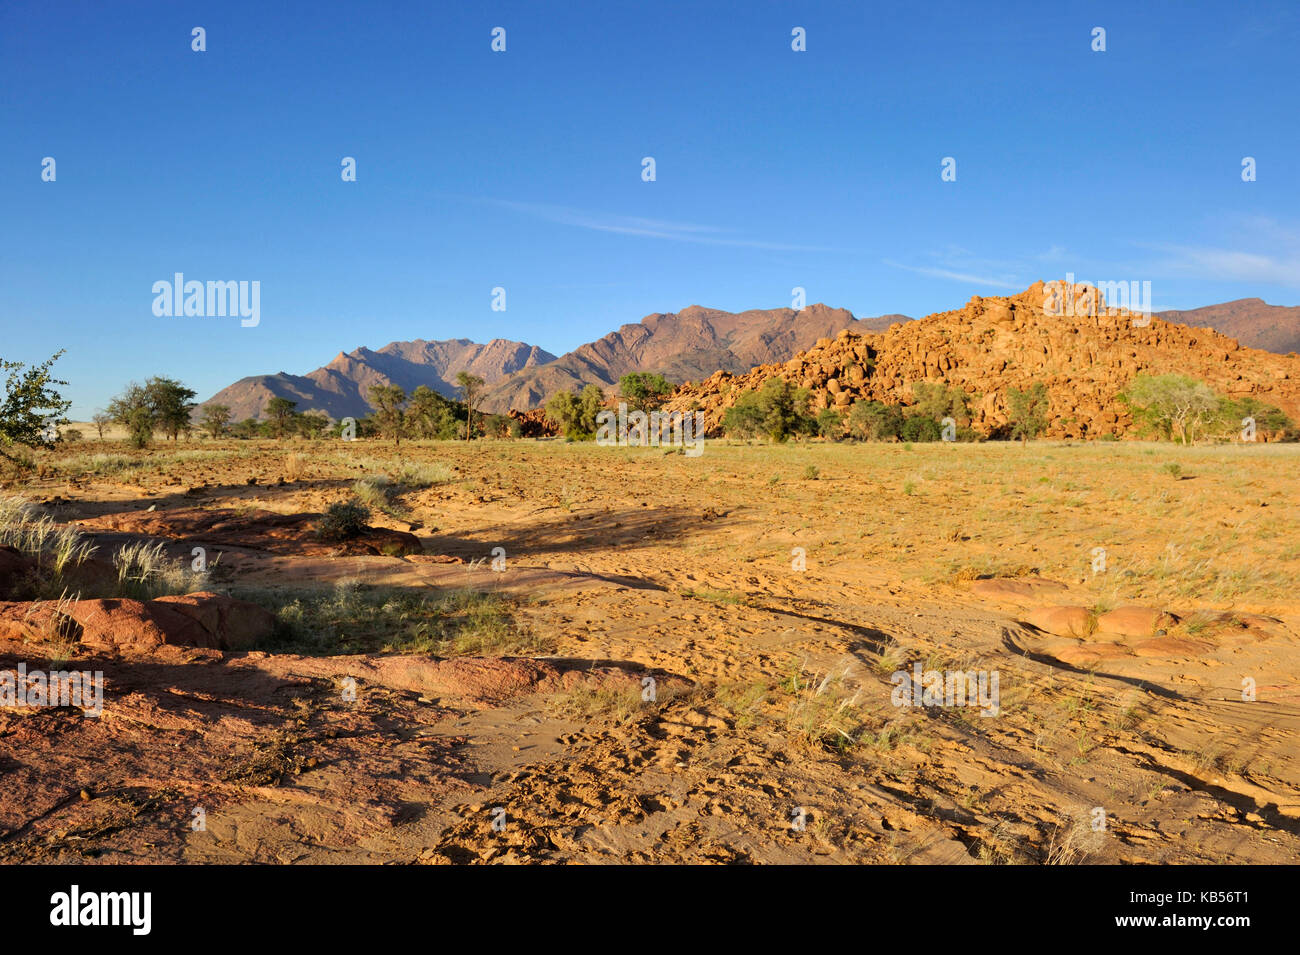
pixel 771 594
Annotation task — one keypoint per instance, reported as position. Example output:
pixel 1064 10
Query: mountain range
pixel 690 345
pixel 1085 356
pixel 340 388
pixel 1251 321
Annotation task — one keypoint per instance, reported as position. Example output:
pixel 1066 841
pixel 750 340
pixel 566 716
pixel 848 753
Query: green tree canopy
pixel 388 401
pixel 32 408
pixel 215 420
pixel 1027 411
pixel 644 391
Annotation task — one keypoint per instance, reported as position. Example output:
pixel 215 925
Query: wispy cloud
pixel 649 228
pixel 1005 282
pixel 1264 251
pixel 1229 265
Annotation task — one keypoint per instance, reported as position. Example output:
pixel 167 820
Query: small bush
pixel 344 521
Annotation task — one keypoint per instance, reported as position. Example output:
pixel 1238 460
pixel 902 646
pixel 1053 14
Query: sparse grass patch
pixel 717 596
pixel 419 476
pixel 144 572
pixel 354 618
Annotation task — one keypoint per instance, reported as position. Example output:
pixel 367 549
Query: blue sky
pixel 522 169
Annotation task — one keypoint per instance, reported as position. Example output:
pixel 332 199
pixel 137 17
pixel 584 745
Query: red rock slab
pixel 1180 647
pixel 230 624
pixel 1088 654
pixel 1020 590
pixel 123 625
pixel 1062 621
pixel 1134 621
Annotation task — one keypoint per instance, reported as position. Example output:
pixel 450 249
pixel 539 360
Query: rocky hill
pixel 1251 321
pixel 682 346
pixel 341 388
pixel 992 344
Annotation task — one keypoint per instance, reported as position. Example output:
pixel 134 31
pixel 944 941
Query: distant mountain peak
pixel 342 387
pixel 688 345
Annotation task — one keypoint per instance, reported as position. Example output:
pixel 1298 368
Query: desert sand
pixel 680 659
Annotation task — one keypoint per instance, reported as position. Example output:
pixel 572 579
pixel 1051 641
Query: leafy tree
pixel 575 415
pixel 388 401
pixel 312 424
pixel 919 427
pixel 937 400
pixel 469 388
pixel 644 391
pixel 1268 418
pixel 170 404
pixel 496 426
pixel 590 402
pixel 562 408
pixel 248 428
pixel 776 409
pixel 1172 405
pixel 430 415
pixel 280 413
pixel 32 409
pixel 875 421
pixel 215 420
pixel 1027 411
pixel 777 402
pixel 744 419
pixel 830 423
pixel 133 410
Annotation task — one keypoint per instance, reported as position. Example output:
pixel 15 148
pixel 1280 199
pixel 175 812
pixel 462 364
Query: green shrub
pixel 344 521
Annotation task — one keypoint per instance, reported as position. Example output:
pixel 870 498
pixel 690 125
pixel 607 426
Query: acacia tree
pixel 1172 405
pixel 131 409
pixel 388 400
pixel 1027 411
pixel 101 419
pixel 171 404
pixel 216 419
pixel 575 415
pixel 430 415
pixel 160 404
pixel 280 412
pixel 469 388
pixel 644 391
pixel 32 410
